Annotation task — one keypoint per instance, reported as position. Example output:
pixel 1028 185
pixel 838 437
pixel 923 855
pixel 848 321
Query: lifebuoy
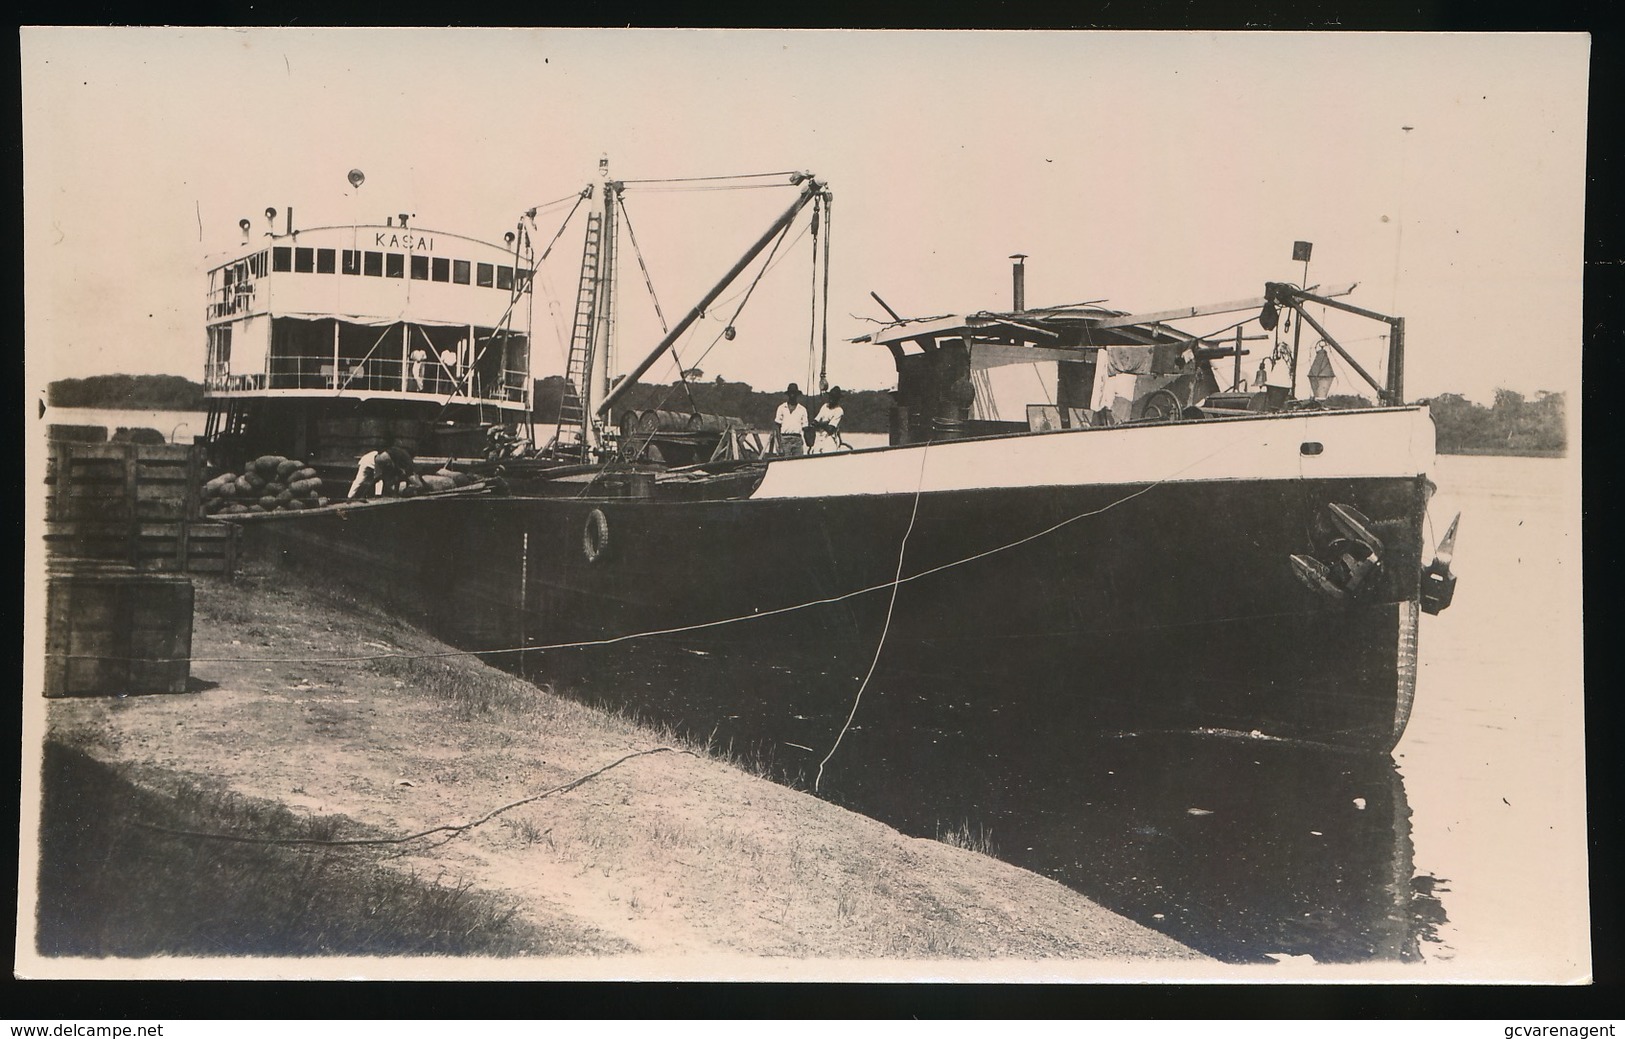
pixel 595 536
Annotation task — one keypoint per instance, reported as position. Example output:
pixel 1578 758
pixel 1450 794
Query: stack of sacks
pixel 445 479
pixel 268 484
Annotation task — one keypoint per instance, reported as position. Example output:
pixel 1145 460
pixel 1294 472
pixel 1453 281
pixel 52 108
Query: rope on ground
pixel 902 550
pixel 353 842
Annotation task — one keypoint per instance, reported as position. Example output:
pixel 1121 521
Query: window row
pixel 395 265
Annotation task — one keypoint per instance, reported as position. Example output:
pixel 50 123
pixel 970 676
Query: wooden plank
pixel 150 491
pixel 95 525
pixel 86 452
pixel 93 510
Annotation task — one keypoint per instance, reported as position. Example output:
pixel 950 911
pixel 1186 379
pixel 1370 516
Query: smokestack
pixel 1018 276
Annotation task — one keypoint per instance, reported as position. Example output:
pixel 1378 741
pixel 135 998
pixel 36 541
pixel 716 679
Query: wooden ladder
pixel 572 428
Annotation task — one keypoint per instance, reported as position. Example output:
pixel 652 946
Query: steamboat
pixel 326 342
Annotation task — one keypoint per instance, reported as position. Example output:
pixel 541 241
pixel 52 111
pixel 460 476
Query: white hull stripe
pixel 1353 444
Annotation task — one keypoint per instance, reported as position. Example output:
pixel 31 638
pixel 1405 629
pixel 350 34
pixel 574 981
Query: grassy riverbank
pixel 272 812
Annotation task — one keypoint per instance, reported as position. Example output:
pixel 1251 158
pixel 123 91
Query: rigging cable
pixel 626 220
pixel 891 604
pixel 812 322
pixel 829 228
pixel 766 266
pixel 504 322
pixel 733 176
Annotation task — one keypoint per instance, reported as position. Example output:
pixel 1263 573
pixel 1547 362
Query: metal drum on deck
pixel 703 423
pixel 656 421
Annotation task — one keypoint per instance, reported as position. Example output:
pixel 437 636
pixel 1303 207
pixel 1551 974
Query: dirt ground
pixel 683 857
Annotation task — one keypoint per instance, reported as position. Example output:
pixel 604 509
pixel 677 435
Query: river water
pixel 175 426
pixel 1463 853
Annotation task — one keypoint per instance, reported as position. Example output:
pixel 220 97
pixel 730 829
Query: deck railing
pixel 369 375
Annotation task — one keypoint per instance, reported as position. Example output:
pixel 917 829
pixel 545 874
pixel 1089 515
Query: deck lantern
pixel 1321 375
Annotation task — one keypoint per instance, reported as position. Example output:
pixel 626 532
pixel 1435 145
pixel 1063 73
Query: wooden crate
pixel 131 482
pixel 201 546
pixel 133 503
pixel 111 629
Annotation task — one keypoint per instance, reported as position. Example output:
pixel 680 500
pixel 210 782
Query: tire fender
pixel 595 536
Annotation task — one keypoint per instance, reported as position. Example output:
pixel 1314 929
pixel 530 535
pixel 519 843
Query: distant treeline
pixel 1513 425
pixel 867 411
pixel 138 392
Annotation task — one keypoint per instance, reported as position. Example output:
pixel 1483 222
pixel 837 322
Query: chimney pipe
pixel 1018 275
pixel 290 220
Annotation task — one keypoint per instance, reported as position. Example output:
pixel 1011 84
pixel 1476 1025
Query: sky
pixel 1149 170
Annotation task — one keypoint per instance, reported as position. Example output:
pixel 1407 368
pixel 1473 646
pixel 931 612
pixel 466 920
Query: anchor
pixel 1438 583
pixel 1348 553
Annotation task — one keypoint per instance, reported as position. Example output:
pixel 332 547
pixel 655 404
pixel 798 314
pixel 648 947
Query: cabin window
pixel 442 268
pixel 352 261
pixel 420 268
pixel 482 275
pixel 282 258
pixel 504 277
pixel 304 260
pixel 394 265
pixel 228 275
pixel 521 278
pixel 459 271
pixel 324 261
pixel 373 264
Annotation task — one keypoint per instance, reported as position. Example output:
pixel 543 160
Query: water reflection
pixel 1245 849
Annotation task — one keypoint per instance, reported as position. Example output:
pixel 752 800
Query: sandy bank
pixel 674 863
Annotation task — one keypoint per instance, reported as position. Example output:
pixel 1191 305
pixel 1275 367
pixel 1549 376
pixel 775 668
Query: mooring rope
pixel 902 550
pixel 449 828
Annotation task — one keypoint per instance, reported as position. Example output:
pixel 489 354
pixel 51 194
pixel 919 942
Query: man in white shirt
pixel 828 423
pixel 791 420
pixel 368 478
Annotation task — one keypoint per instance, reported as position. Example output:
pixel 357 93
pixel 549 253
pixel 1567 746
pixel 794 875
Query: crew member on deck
pixel 367 479
pixel 419 358
pixel 791 420
pixel 827 423
pixel 498 442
